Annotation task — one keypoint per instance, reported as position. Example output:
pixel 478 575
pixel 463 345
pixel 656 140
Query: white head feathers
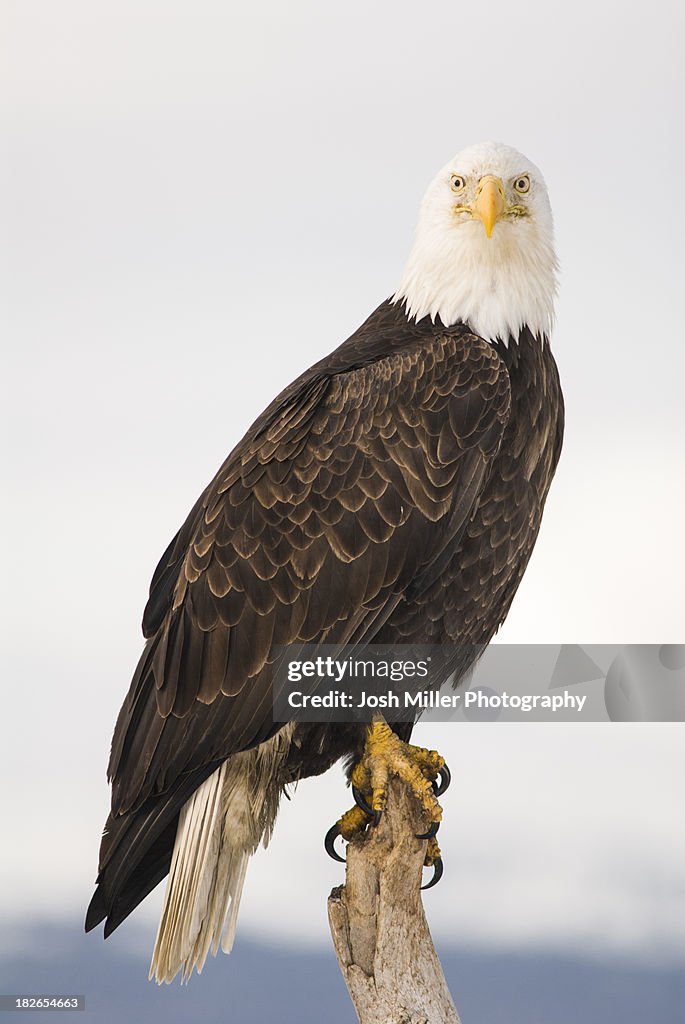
pixel 496 284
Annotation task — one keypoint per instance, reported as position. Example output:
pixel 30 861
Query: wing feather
pixel 343 498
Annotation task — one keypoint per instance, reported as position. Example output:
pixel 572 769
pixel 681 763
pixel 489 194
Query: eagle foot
pixel 433 860
pixel 361 801
pixel 386 755
pixel 352 823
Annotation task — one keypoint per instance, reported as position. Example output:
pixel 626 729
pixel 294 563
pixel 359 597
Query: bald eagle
pixel 391 494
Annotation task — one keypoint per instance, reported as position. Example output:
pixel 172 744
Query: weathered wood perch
pixel 379 928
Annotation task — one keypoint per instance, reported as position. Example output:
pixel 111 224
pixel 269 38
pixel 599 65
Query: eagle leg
pixel 386 755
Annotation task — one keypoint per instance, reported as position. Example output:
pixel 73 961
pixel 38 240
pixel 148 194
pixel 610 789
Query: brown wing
pixel 467 601
pixel 349 490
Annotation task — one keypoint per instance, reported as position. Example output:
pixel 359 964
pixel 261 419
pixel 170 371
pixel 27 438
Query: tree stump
pixel 379 928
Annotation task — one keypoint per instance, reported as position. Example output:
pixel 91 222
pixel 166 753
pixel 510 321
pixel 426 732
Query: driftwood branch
pixel 379 929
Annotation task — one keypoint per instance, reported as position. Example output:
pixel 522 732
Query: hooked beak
pixel 490 203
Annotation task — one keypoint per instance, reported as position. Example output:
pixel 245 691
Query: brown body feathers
pixel 393 493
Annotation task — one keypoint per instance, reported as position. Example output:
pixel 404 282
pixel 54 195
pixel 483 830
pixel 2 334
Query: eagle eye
pixel 457 183
pixel 522 184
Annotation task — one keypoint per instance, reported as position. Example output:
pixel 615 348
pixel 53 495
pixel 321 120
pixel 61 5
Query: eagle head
pixel 484 247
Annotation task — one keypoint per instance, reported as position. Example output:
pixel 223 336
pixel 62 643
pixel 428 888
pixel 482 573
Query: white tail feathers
pixel 219 829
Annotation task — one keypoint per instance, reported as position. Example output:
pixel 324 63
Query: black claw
pixel 360 801
pixel 445 778
pixel 432 831
pixel 329 843
pixel 437 874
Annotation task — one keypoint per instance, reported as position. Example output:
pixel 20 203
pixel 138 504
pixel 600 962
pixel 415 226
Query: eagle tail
pixel 219 829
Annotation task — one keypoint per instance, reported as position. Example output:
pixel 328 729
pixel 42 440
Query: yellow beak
pixel 490 202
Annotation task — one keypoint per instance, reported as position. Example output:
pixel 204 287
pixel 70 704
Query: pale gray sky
pixel 199 200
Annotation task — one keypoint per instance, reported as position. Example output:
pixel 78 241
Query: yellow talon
pixel 432 853
pixel 386 755
pixel 353 822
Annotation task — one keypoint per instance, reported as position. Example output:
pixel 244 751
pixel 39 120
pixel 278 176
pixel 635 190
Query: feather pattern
pixel 392 493
pixel 219 829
